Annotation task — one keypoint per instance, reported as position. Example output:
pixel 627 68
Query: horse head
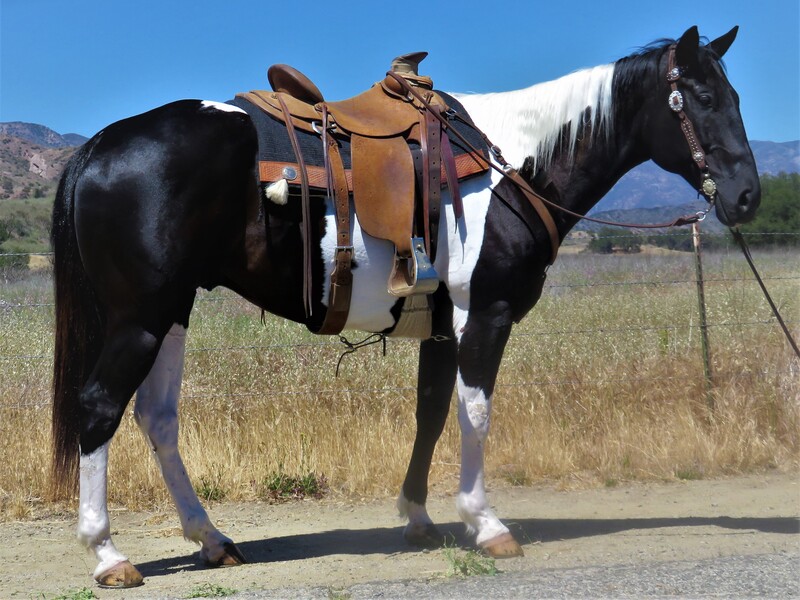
pixel 713 145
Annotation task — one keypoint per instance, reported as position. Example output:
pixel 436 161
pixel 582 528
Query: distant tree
pixel 607 240
pixel 779 212
pixel 601 243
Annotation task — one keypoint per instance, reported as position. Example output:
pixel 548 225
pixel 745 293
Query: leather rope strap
pixel 341 280
pixel 737 235
pixel 305 206
pixel 451 175
pixel 430 144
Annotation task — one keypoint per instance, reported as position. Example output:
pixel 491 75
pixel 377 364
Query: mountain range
pixel 33 156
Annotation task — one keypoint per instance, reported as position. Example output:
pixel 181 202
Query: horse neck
pixel 573 138
pixel 605 151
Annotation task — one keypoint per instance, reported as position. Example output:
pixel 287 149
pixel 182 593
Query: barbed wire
pixel 411 389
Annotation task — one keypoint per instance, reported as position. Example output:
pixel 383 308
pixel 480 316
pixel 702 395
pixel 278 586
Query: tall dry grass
pixel 601 383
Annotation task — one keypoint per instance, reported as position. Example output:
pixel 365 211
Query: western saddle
pixel 401 157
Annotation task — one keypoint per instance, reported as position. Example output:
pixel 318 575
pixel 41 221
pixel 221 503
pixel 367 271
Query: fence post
pixel 701 303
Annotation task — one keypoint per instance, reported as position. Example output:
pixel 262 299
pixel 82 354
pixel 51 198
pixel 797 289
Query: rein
pixel 737 235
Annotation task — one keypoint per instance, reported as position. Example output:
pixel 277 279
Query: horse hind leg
pixel 127 354
pixel 156 412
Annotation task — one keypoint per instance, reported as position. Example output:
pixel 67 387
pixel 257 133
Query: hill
pixel 32 158
pixel 40 135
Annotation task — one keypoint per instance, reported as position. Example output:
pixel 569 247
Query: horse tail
pixel 78 329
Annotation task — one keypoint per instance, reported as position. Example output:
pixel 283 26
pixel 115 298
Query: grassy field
pixel 601 383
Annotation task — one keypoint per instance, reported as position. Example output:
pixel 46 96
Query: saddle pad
pixel 274 145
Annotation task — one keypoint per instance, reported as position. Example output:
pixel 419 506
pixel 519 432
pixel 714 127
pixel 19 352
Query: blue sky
pixel 77 65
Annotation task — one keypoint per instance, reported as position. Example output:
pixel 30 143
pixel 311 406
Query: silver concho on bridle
pixel 676 101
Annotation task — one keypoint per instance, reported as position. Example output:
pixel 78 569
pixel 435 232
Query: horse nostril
pixel 744 199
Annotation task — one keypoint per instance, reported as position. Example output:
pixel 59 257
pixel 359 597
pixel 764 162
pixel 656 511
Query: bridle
pixel 708 187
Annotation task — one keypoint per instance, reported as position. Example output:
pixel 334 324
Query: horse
pixel 158 205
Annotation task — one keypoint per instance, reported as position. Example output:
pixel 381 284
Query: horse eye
pixel 706 100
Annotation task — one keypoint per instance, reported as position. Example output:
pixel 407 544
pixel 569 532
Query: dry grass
pixel 602 383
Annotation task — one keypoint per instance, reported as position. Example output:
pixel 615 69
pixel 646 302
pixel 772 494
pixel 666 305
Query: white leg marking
pixel 156 412
pixel 474 412
pixel 417 515
pixel 94 526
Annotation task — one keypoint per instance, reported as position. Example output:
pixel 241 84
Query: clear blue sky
pixel 77 65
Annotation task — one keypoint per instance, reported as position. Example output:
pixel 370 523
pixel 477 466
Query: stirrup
pixel 412 275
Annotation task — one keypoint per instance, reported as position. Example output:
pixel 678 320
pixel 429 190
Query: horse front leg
pixel 156 412
pixel 435 383
pixel 481 344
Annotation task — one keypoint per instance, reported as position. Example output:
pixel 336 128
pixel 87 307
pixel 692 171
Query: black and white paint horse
pixel 155 206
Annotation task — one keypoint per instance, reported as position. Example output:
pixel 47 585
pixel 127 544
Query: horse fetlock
pixel 479 519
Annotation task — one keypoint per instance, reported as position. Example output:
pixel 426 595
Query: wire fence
pixel 25 364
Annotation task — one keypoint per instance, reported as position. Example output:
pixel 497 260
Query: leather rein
pixel 708 187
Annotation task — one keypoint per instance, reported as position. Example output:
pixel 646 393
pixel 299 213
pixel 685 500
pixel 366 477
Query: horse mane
pixel 536 121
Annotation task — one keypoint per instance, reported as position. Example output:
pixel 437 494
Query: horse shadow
pixel 389 540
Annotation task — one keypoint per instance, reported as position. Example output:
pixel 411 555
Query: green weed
pixel 210 489
pixel 81 594
pixel 466 563
pixel 280 486
pixel 211 590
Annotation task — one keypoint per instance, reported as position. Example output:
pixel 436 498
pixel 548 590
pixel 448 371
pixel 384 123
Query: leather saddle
pixel 400 157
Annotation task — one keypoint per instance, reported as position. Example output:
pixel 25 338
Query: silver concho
pixel 289 173
pixel 676 101
pixel 709 187
pixel 698 156
pixel 674 74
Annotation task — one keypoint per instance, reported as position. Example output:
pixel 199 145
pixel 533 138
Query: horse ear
pixel 721 44
pixel 686 51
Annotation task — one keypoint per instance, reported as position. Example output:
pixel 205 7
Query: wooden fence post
pixel 701 303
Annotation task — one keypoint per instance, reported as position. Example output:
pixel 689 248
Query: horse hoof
pixel 424 536
pixel 502 546
pixel 121 575
pixel 230 557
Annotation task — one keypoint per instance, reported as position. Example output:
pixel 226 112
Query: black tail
pixel 78 329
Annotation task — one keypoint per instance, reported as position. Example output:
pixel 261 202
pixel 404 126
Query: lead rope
pixel 737 235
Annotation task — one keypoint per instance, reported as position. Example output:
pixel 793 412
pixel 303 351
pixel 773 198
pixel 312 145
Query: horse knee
pixel 474 413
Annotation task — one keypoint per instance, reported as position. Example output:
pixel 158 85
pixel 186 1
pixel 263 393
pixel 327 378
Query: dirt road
pixel 333 545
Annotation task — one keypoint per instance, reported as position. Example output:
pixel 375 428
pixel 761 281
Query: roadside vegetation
pixel 601 384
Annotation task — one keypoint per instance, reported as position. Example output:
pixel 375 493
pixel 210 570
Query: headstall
pixel 708 187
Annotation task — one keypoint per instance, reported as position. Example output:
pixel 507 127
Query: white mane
pixel 528 122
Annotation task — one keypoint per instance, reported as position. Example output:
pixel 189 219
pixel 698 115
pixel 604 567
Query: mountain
pixel 40 135
pixel 32 158
pixel 649 186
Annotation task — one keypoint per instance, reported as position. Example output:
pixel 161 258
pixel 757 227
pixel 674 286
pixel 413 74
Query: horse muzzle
pixel 737 201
